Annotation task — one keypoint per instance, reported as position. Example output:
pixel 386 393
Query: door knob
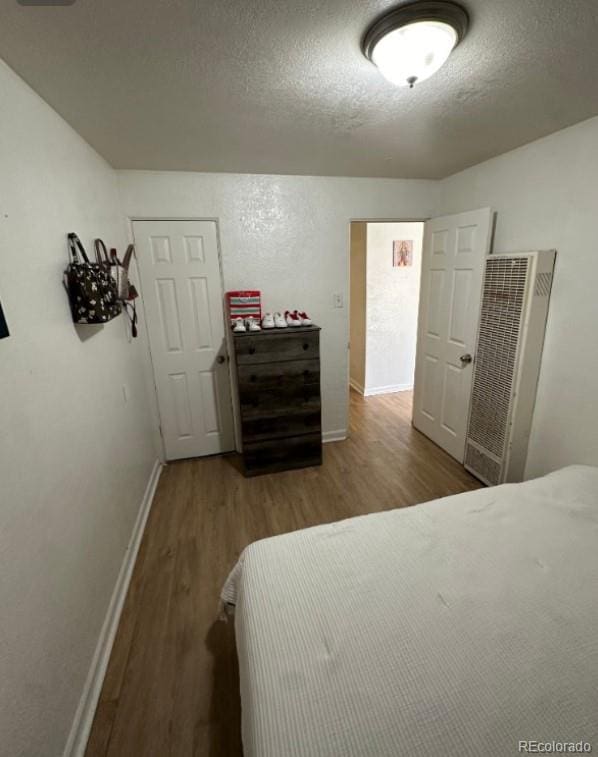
pixel 220 359
pixel 466 359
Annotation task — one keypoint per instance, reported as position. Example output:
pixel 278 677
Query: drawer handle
pixel 253 378
pixel 305 346
pixel 306 374
pixel 251 350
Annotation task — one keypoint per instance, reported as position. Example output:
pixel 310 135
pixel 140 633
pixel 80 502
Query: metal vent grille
pixel 482 465
pixel 543 283
pixel 503 296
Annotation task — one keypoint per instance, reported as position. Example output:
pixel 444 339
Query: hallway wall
pixel 392 307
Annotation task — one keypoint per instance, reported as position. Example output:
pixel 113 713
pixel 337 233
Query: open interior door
pixel 451 285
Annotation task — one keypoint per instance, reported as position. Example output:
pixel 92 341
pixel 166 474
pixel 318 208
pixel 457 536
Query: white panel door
pixel 182 296
pixel 451 285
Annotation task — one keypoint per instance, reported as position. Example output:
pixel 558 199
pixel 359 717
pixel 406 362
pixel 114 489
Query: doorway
pixel 182 294
pixel 385 270
pixel 429 332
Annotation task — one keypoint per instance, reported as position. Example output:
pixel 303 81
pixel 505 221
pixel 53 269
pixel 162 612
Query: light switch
pixel 337 300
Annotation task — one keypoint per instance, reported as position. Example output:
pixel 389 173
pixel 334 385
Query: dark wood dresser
pixel 278 379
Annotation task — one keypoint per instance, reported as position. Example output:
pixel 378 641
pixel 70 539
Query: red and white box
pixel 244 303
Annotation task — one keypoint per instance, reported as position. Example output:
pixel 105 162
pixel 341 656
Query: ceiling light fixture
pixel 411 43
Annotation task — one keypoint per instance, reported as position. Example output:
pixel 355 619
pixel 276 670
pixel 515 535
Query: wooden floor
pixel 172 682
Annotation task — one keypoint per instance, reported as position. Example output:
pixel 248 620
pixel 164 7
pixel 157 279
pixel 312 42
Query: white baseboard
pixel 387 389
pixel 354 385
pixel 334 436
pixel 77 741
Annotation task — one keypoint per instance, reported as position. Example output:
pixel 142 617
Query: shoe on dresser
pixel 279 321
pixel 268 321
pixel 238 325
pixel 292 319
pixel 252 324
pixel 304 318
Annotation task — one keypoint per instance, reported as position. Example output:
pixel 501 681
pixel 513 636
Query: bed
pixel 457 627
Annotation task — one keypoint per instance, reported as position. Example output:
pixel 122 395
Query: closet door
pixel 183 303
pixel 454 251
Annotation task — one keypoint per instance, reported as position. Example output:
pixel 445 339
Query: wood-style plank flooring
pixel 171 687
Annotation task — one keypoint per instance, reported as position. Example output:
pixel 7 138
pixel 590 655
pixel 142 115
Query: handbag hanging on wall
pixel 127 293
pixel 92 290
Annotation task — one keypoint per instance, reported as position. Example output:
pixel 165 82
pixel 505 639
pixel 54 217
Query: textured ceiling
pixel 274 86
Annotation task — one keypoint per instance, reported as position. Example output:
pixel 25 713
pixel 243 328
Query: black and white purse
pixel 93 293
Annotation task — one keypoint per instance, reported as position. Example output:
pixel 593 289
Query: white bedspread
pixel 458 627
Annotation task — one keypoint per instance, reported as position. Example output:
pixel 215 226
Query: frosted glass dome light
pixel 414 52
pixel 412 42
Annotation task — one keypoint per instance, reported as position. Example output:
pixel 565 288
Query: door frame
pixel 148 361
pixel 361 219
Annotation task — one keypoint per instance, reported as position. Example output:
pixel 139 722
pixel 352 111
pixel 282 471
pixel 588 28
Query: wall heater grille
pixel 508 281
pixel 543 284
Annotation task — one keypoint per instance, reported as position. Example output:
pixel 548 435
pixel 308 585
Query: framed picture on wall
pixel 402 253
pixel 3 326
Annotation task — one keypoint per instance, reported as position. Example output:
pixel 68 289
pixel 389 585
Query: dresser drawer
pixel 278 426
pixel 295 373
pixel 271 347
pixel 282 454
pixel 258 402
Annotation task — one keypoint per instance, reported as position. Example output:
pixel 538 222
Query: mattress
pixel 458 627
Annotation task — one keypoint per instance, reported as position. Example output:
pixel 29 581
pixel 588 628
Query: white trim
pixel 81 727
pixel 354 385
pixel 387 389
pixel 334 436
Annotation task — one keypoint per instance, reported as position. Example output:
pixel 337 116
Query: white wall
pixel 74 459
pixel 392 305
pixel 289 237
pixel 546 196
